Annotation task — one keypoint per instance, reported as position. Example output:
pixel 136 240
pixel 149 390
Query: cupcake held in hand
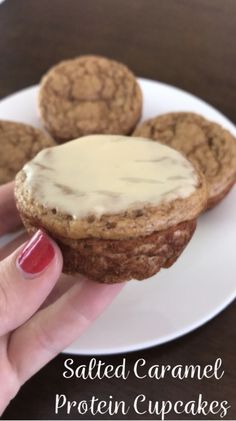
pixel 118 207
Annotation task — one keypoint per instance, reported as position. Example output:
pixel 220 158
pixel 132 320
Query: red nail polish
pixel 37 254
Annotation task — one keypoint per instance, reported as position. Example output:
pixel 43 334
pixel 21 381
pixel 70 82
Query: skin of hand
pixel 41 310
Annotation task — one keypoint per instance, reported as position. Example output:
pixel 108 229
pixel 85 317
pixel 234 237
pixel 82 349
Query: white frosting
pixel 104 174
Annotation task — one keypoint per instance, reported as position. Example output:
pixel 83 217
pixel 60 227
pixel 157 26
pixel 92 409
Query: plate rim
pixel 165 339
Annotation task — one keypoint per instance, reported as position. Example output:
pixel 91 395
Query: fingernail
pixel 36 255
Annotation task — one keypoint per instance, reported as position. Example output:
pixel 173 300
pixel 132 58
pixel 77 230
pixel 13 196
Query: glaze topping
pixel 107 174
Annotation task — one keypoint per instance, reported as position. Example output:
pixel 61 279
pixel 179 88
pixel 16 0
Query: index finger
pixel 53 328
pixel 9 216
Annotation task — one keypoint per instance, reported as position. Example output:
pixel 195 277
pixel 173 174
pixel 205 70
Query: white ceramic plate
pixel 179 299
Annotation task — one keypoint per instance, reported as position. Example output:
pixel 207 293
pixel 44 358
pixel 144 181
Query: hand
pixel 39 316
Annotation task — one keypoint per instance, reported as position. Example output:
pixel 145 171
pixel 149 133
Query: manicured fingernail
pixel 36 255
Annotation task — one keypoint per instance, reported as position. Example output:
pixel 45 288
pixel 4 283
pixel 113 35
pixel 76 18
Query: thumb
pixel 26 278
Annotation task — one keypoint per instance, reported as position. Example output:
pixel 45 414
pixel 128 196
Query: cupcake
pixel 19 143
pixel 89 94
pixel 206 144
pixel 119 207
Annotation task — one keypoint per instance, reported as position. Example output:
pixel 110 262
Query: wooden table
pixel 190 44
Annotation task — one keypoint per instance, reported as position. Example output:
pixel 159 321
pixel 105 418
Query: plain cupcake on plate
pixel 19 143
pixel 89 94
pixel 205 143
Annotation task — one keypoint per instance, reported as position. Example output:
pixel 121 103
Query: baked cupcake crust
pixel 19 143
pixel 206 144
pixel 132 223
pixel 116 248
pixel 89 94
pixel 112 261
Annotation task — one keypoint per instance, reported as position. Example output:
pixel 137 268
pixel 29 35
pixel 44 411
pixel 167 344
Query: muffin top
pixel 89 94
pixel 111 177
pixel 208 145
pixel 108 174
pixel 19 143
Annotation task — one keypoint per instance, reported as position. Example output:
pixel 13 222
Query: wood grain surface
pixel 187 43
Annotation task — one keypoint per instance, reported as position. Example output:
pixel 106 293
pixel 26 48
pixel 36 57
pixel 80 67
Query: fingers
pixel 52 329
pixel 9 216
pixel 64 284
pixel 26 278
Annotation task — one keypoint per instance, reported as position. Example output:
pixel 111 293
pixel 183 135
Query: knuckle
pixel 12 386
pixel 45 339
pixel 11 381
